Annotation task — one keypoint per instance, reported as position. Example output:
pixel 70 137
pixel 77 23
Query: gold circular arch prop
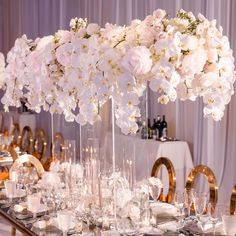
pixel 233 201
pixel 172 178
pixel 27 158
pixel 40 135
pixel 208 173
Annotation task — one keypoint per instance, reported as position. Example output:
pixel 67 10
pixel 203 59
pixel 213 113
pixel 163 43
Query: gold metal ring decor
pixel 233 201
pixel 39 152
pixel 208 173
pixel 26 135
pixel 27 158
pixel 172 178
pixel 15 134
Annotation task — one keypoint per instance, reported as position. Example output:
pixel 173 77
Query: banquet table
pixel 144 152
pixel 6 161
pixel 26 226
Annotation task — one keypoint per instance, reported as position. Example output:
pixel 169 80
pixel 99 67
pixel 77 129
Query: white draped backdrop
pixel 212 143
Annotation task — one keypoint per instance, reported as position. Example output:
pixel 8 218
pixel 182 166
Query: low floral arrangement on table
pixel 76 72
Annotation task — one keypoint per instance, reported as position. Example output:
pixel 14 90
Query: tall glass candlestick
pixel 113 152
pixel 52 133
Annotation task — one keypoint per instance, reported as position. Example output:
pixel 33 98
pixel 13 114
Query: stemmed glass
pixel 34 203
pixel 179 202
pixel 10 187
pixel 64 221
pixel 213 215
pixel 189 196
pixel 200 204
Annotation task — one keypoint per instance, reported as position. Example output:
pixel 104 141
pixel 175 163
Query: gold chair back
pixel 27 158
pixel 40 152
pixel 26 136
pixel 8 125
pixel 58 137
pixel 15 134
pixel 172 178
pixel 12 152
pixel 208 173
pixel 1 122
pixel 233 201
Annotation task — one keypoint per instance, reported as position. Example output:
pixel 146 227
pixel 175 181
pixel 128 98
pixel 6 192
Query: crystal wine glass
pixel 10 187
pixel 200 204
pixel 179 202
pixel 34 203
pixel 214 214
pixel 64 221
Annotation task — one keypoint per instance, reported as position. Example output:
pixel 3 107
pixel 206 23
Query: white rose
pixel 189 42
pixel 194 62
pixel 216 113
pixel 137 60
pixel 73 22
pixel 92 29
pixel 206 80
pixel 44 41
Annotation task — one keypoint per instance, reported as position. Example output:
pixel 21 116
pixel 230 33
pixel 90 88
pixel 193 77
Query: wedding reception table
pixel 166 225
pixel 143 154
pixel 6 161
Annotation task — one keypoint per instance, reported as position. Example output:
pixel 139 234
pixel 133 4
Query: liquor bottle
pixel 158 127
pixel 144 131
pixel 154 130
pixel 164 127
pixel 149 130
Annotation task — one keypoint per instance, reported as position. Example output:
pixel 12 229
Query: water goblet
pixel 10 187
pixel 64 219
pixel 189 196
pixel 229 224
pixel 34 203
pixel 179 202
pixel 229 221
pixel 214 213
pixel 200 204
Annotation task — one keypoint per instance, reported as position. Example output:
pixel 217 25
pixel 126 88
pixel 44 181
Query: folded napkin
pixel 170 226
pixel 208 228
pixel 163 209
pixel 149 231
pixel 109 233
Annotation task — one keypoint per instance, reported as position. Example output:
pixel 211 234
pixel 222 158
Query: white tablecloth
pixel 144 153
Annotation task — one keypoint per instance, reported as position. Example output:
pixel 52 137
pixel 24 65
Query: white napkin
pixel 171 226
pixel 208 228
pixel 163 209
pixel 110 233
pixel 229 223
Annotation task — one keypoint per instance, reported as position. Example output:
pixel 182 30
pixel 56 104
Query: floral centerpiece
pixel 76 72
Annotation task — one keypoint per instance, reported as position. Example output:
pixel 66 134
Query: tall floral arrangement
pixel 76 72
